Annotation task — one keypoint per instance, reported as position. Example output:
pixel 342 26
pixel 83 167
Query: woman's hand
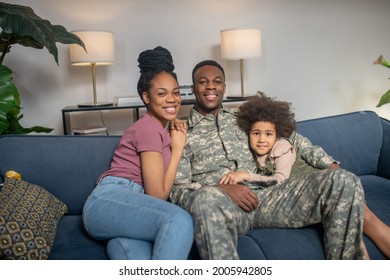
pixel 234 177
pixel 178 140
pixel 178 129
pixel 178 124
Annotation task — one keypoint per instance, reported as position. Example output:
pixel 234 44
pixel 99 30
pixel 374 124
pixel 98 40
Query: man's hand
pixel 245 198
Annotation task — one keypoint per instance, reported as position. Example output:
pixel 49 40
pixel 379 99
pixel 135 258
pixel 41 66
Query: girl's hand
pixel 177 124
pixel 234 177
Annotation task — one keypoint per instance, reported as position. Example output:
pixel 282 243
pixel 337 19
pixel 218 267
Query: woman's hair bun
pixel 157 59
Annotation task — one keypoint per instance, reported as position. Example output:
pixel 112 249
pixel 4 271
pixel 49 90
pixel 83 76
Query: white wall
pixel 318 54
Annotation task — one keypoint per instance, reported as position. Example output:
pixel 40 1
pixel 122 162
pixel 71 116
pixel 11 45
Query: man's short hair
pixel 204 63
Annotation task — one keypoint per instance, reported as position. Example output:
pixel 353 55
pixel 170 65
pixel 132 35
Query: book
pixel 89 130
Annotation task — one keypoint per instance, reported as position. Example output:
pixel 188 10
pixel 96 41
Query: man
pixel 215 146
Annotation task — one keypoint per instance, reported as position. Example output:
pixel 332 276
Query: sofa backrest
pixel 67 166
pixel 384 158
pixel 354 139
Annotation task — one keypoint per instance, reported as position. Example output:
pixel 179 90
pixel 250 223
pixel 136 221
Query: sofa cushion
pixel 354 139
pixel 248 249
pixel 29 216
pixel 73 242
pixel 290 244
pixel 377 193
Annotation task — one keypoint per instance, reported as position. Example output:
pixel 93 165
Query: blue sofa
pixel 68 166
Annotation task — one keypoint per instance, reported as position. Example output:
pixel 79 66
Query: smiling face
pixel 209 88
pixel 262 137
pixel 163 99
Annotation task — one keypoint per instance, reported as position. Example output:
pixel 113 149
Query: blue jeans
pixel 138 226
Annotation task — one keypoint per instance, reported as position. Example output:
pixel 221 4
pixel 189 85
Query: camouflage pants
pixel 333 197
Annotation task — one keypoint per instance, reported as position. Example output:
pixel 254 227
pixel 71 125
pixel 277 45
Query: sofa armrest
pixel 384 157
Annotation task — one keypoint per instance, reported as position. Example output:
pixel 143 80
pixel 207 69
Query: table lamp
pixel 240 44
pixel 100 51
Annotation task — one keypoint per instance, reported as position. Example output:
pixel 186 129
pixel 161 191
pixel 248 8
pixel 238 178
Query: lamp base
pixel 98 104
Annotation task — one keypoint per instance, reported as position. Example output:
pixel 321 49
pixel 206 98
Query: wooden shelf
pixel 135 106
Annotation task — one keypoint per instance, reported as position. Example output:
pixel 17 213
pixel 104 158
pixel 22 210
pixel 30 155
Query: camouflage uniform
pixel 216 146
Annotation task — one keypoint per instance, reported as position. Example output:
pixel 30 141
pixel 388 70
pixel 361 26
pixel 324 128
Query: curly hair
pixel 261 108
pixel 151 63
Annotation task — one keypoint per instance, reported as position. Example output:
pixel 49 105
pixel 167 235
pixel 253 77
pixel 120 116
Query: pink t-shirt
pixel 146 134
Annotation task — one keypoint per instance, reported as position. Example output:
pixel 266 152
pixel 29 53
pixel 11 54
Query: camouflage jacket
pixel 216 146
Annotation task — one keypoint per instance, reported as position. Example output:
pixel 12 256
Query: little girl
pixel 268 124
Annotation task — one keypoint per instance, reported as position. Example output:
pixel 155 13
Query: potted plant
pixel 385 97
pixel 20 25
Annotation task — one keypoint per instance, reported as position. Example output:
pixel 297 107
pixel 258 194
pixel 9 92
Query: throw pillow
pixel 29 216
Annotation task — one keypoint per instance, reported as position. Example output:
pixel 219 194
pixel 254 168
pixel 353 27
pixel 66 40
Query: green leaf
pixel 11 39
pixel 384 99
pixel 381 61
pixel 10 107
pixel 9 98
pixel 385 63
pixel 65 37
pixel 31 30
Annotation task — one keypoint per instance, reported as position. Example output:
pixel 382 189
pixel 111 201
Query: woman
pixel 128 206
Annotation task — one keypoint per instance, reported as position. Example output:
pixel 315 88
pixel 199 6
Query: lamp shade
pixel 99 46
pixel 240 43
